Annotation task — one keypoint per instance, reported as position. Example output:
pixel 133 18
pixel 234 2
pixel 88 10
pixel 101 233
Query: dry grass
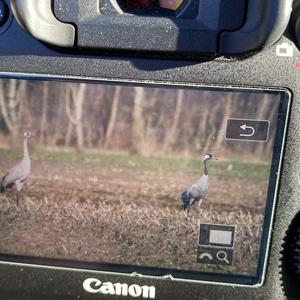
pixel 126 216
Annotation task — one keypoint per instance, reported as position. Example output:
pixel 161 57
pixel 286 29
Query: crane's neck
pixel 205 171
pixel 26 154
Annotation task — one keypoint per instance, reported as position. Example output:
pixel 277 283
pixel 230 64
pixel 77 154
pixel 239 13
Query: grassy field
pixel 111 207
pixel 228 168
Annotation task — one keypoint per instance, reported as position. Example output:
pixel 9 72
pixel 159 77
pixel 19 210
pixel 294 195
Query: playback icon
pixel 215 244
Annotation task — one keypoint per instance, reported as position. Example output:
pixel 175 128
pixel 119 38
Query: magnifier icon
pixel 222 256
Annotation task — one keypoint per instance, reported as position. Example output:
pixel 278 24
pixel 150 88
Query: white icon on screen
pixel 284 50
pixel 246 127
pixel 206 255
pixel 222 256
pixel 223 237
pixel 247 130
pixel 216 244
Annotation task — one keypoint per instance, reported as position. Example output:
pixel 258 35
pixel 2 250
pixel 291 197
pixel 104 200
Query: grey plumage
pixel 17 175
pixel 196 191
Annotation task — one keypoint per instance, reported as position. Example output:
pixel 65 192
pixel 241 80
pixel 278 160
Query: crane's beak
pixel 215 158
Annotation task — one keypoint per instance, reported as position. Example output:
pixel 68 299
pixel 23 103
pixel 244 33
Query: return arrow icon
pixel 247 130
pixel 245 127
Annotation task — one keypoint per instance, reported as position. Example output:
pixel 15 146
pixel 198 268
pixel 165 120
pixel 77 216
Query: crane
pixel 18 174
pixel 196 191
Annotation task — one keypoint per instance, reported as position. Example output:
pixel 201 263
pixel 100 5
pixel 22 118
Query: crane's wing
pixel 197 191
pixel 15 173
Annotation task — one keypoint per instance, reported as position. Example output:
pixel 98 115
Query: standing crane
pixel 17 175
pixel 198 190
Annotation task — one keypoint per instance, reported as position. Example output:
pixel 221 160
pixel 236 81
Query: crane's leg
pixel 17 200
pixel 191 202
pixel 187 212
pixel 199 205
pixel 18 187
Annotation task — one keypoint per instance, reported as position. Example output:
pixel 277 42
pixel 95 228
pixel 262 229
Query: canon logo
pixel 95 286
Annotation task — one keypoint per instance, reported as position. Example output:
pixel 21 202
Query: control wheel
pixel 295 22
pixel 290 266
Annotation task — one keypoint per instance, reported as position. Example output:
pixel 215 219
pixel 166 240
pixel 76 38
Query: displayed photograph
pixel 151 176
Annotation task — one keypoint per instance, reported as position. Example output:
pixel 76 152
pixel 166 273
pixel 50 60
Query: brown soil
pixel 92 213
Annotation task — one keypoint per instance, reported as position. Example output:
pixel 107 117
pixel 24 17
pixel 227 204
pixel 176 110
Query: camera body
pixel 275 67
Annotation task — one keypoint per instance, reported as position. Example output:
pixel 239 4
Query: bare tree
pixel 44 112
pixel 149 122
pixel 74 104
pixel 10 105
pixel 58 115
pixel 227 106
pixel 113 115
pixel 171 133
pixel 137 121
pixel 144 121
pixel 210 130
pixel 202 124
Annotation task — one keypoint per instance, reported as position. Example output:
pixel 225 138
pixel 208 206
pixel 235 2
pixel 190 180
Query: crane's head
pixel 27 135
pixel 208 157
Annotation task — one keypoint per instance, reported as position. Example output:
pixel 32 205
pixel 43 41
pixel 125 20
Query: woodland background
pixel 145 121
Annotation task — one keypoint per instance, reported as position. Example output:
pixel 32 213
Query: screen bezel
pixel 175 274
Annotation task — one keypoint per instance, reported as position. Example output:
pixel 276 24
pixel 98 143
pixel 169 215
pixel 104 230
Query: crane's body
pixel 198 190
pixel 195 192
pixel 18 174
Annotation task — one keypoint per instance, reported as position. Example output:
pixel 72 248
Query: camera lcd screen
pixel 158 180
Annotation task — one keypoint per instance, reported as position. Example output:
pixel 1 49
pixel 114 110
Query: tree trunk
pixel 4 108
pixel 44 112
pixel 71 119
pixel 149 128
pixel 12 91
pixel 226 114
pixel 10 106
pixel 74 108
pixel 68 136
pixel 137 121
pixel 113 115
pixel 59 117
pixel 210 136
pixel 78 113
pixel 172 134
